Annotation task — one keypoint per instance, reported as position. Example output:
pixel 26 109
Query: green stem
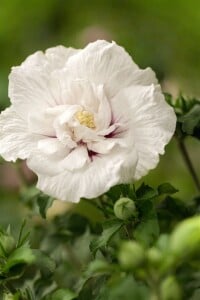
pixel 188 163
pixel 73 258
pixel 127 232
pixel 155 291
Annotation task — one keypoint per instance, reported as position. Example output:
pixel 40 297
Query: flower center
pixel 85 118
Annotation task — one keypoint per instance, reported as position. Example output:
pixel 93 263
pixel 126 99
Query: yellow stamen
pixel 85 118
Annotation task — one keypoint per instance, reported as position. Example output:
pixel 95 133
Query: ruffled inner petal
pixel 52 158
pixel 89 182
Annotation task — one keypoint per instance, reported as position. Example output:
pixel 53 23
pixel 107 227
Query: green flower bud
pixel 9 297
pixel 170 289
pixel 185 239
pixel 131 255
pixel 124 208
pixel 154 256
pixel 7 242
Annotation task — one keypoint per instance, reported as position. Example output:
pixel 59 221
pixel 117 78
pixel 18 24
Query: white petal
pixel 54 58
pixel 99 61
pixel 102 147
pixel 128 169
pixel 53 158
pixel 150 120
pixel 105 145
pixel 83 93
pixel 103 117
pixel 127 77
pixel 62 125
pixel 35 60
pixel 95 179
pixel 85 134
pixel 15 140
pixel 59 55
pixel 76 159
pixel 51 146
pixel 48 157
pixel 31 90
pixel 41 122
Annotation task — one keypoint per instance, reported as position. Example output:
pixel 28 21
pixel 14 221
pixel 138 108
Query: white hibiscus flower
pixel 85 120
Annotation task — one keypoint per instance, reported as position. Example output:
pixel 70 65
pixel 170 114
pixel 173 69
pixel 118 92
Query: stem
pixel 75 261
pixel 188 163
pixel 155 287
pixel 127 232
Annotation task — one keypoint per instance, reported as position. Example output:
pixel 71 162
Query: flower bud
pixel 131 255
pixel 7 243
pixel 124 208
pixel 170 289
pixel 154 256
pixel 185 239
pixel 9 297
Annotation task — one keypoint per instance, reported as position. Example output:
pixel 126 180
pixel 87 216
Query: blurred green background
pixel 162 34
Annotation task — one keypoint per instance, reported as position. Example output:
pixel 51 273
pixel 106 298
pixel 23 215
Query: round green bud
pixel 131 255
pixel 7 243
pixel 170 289
pixel 185 239
pixel 154 256
pixel 8 297
pixel 124 208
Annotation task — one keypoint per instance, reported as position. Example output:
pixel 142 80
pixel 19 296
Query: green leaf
pixel 92 287
pixel 147 231
pixel 122 190
pixel 191 119
pixel 44 202
pixel 166 188
pixel 172 208
pixel 22 255
pixel 22 239
pixel 110 228
pixel 196 295
pixel 98 267
pixel 43 261
pixel 126 288
pixel 63 294
pixel 146 192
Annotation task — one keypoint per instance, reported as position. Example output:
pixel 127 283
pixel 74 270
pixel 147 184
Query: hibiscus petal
pixel 103 117
pixel 41 123
pixel 102 147
pixel 31 90
pixel 53 158
pixel 59 55
pixel 54 58
pixel 15 140
pixel 52 146
pixel 95 179
pixel 129 76
pixel 76 159
pixel 99 61
pixel 150 120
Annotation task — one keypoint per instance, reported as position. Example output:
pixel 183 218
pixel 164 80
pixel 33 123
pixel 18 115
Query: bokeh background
pixel 162 34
